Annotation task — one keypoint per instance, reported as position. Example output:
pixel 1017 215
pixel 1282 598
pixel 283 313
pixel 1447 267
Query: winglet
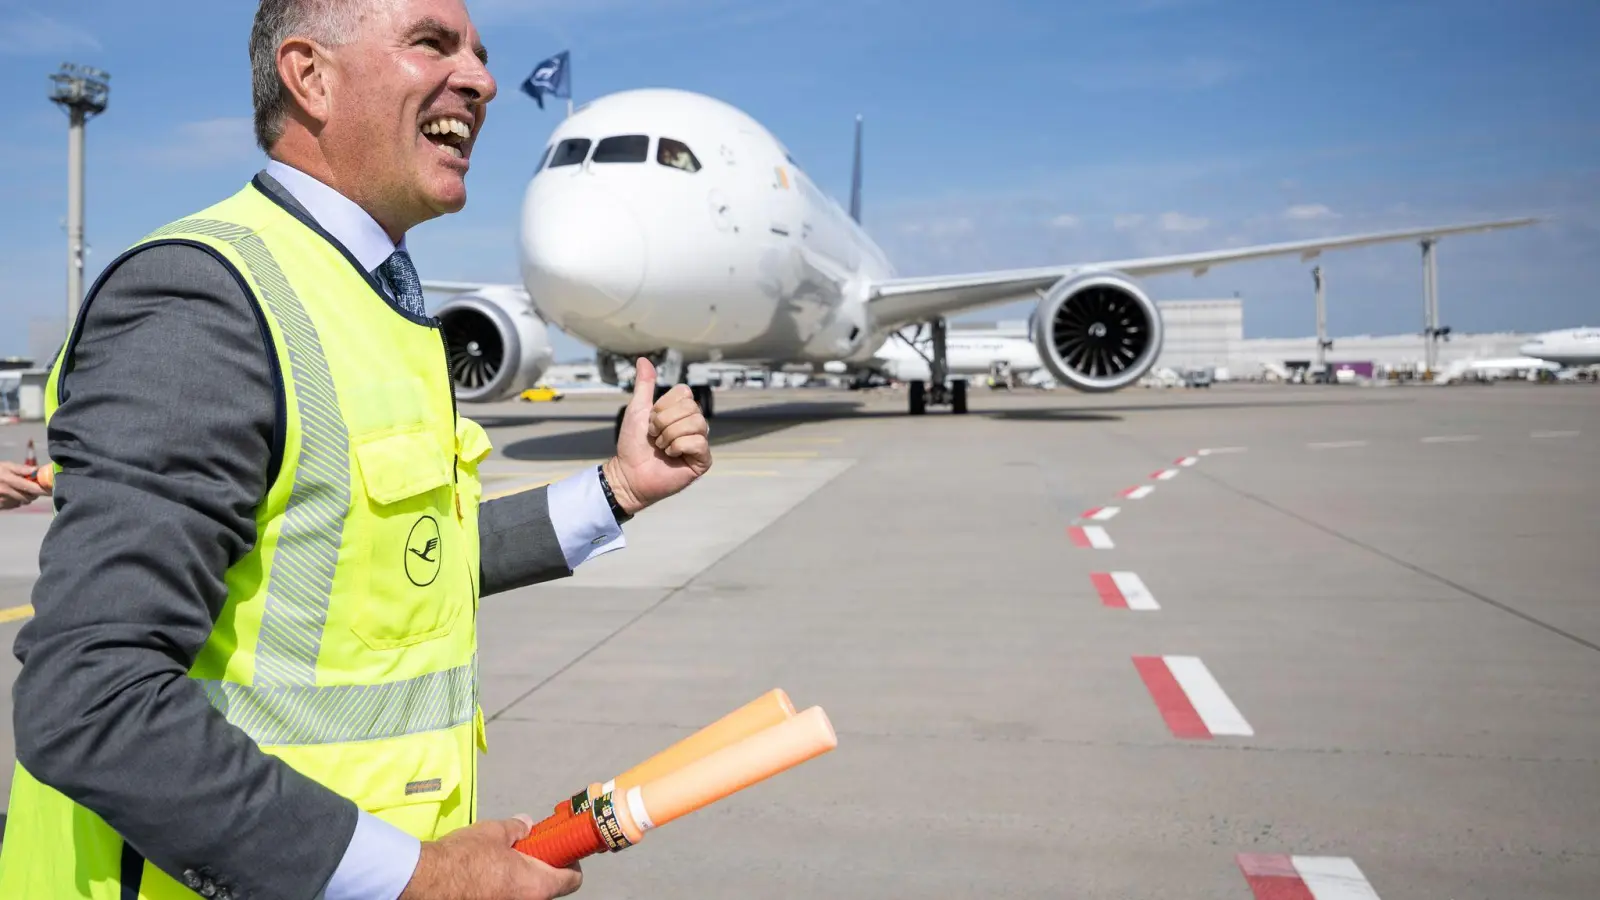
pixel 855 177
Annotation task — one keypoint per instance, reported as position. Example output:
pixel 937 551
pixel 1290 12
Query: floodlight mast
pixel 84 93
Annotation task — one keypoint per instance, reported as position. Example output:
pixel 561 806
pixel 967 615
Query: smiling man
pixel 253 669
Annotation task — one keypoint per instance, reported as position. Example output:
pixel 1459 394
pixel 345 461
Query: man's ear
pixel 304 70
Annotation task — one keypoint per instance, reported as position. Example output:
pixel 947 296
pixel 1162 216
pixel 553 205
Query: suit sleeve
pixel 544 534
pixel 165 438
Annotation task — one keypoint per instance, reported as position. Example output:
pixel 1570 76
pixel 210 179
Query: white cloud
pixel 1127 221
pixel 1065 220
pixel 1307 211
pixel 31 33
pixel 1174 221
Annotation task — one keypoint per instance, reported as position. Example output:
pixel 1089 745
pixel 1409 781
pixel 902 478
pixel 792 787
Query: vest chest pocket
pixel 411 541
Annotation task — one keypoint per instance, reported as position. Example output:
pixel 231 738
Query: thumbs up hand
pixel 663 445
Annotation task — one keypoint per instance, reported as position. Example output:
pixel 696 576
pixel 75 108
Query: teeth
pixel 453 150
pixel 448 125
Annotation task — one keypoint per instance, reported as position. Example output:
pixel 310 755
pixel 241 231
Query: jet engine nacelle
pixel 1097 332
pixel 497 345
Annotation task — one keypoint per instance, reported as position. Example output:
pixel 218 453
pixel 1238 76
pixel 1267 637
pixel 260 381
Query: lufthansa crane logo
pixel 423 552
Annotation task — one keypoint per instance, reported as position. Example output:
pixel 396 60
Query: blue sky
pixel 999 134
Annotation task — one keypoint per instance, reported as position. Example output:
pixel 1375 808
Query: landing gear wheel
pixel 919 398
pixel 702 396
pixel 958 397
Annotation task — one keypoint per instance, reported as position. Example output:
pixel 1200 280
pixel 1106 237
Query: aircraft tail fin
pixel 855 178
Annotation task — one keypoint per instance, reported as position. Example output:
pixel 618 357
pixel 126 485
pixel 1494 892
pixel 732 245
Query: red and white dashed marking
pixel 1190 700
pixel 1123 590
pixel 1091 536
pixel 1165 474
pixel 1140 492
pixel 1285 877
pixel 1188 461
pixel 1101 513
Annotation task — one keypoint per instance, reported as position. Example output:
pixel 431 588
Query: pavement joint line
pixel 670 594
pixel 1355 542
pixel 1163 744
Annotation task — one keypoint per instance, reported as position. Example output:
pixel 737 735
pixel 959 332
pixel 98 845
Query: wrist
pixel 621 490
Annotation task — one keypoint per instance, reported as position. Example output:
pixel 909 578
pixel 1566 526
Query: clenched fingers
pixel 666 414
pixel 674 433
pixel 16 490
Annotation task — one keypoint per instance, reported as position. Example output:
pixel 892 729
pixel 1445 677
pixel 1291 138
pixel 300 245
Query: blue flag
pixel 553 77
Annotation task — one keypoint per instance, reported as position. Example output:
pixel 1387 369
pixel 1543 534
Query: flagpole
pixel 569 107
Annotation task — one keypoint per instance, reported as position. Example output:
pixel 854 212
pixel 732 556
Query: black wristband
pixel 611 499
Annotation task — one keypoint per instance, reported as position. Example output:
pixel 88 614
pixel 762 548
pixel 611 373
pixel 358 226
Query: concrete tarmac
pixel 1362 657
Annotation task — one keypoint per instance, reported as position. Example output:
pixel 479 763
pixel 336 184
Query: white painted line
pixel 1092 536
pixel 1210 450
pixel 1102 513
pixel 1333 878
pixel 1134 592
pixel 1335 445
pixel 1537 435
pixel 1140 492
pixel 1450 439
pixel 1165 475
pixel 1210 701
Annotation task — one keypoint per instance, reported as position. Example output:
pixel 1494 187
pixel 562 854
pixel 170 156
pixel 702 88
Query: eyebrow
pixel 429 23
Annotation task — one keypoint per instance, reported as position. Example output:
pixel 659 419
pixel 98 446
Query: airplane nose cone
pixel 583 250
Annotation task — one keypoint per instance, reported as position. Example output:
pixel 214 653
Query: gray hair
pixel 328 22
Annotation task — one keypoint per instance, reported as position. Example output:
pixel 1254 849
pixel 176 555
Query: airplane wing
pixel 465 287
pixel 901 301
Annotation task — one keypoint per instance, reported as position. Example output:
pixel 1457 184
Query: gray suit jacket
pixel 166 438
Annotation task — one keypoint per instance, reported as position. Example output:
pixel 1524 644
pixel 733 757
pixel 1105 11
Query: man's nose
pixel 473 80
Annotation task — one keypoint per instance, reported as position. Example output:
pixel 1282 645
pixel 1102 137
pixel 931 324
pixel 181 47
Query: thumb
pixel 644 385
pixel 517 827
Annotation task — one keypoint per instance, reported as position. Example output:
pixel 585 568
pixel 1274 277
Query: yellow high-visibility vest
pixel 347 645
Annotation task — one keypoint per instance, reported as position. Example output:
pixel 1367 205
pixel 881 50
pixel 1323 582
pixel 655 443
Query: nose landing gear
pixel 671 370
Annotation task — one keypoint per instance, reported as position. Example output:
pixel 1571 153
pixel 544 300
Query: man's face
pixel 408 98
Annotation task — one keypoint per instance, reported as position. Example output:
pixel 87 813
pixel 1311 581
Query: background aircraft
pixel 668 224
pixel 1569 347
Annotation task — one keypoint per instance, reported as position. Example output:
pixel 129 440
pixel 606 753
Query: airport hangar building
pixel 1209 334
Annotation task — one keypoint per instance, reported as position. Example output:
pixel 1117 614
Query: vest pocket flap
pixel 397 466
pixel 472 442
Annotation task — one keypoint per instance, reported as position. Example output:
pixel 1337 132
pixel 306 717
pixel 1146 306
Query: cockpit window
pixel 626 148
pixel 543 158
pixel 570 152
pixel 677 155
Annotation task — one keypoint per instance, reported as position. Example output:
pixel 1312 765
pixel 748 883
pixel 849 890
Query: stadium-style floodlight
pixel 83 92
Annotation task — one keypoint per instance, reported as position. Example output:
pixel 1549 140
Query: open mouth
pixel 449 134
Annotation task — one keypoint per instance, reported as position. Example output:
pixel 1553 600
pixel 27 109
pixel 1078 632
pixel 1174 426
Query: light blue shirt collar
pixel 338 215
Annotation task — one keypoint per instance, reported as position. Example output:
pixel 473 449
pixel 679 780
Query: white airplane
pixel 907 357
pixel 1570 347
pixel 668 224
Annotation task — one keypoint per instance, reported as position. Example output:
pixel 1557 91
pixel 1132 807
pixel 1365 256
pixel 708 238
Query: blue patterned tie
pixel 403 280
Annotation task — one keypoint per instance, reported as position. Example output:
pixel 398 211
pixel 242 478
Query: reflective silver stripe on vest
pixel 300 583
pixel 359 712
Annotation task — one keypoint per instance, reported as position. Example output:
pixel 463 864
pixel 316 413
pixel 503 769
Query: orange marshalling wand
pixel 680 780
pixel 768 709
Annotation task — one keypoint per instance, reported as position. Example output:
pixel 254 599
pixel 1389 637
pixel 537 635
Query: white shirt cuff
pixel 377 865
pixel 582 518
